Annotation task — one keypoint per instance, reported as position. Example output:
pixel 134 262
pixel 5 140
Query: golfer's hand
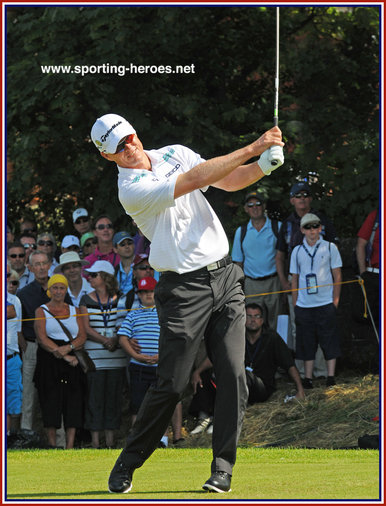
pixel 271 159
pixel 270 138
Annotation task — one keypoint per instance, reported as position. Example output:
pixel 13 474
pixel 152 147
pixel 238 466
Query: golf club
pixel 276 100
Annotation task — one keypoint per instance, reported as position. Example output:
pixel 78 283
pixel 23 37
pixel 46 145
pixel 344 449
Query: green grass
pixel 272 473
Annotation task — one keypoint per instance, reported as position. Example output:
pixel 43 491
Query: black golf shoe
pixel 218 482
pixel 120 480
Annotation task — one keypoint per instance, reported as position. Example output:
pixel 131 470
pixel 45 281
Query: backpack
pixel 243 232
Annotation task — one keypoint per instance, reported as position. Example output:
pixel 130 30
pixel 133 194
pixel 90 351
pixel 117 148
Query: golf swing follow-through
pixel 199 293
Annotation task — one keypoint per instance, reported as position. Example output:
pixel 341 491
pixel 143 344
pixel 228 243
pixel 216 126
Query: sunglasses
pixel 311 225
pixel 27 245
pixel 121 145
pixel 82 220
pixel 94 274
pixel 14 282
pixel 88 244
pixel 254 204
pixel 45 243
pixel 14 255
pixel 102 226
pixel 145 268
pixel 301 194
pixel 73 247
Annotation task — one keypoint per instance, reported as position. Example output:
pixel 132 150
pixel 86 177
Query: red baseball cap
pixel 140 258
pixel 146 284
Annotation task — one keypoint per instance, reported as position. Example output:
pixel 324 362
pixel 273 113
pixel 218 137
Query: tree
pixel 328 100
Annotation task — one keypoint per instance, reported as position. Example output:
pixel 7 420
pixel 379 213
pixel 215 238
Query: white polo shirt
pixel 326 257
pixel 185 233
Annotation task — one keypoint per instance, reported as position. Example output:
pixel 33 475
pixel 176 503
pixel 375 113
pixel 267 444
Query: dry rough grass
pixel 333 417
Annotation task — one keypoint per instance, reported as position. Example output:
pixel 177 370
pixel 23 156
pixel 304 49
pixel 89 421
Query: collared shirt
pixel 259 248
pixel 13 325
pixel 86 288
pixel 26 278
pixel 326 257
pixel 185 233
pixel 125 279
pixel 142 325
pixel 267 354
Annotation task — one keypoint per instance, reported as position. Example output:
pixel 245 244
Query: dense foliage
pixel 329 94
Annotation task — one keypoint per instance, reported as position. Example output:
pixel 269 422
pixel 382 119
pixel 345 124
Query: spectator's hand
pixel 136 347
pixel 57 353
pixel 286 285
pixel 196 380
pixel 71 359
pixel 153 359
pixel 22 344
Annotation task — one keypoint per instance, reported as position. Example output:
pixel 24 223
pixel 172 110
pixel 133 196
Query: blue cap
pixel 120 236
pixel 298 187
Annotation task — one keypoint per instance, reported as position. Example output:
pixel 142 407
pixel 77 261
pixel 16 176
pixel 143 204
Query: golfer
pixel 199 294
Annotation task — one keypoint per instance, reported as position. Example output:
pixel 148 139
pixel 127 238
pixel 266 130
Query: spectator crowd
pixel 94 290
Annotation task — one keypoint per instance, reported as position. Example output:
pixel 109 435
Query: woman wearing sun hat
pixel 58 378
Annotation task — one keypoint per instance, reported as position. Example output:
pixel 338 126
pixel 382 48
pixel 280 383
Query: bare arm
pixel 294 373
pixel 361 254
pixel 337 276
pixel 141 357
pixel 280 263
pixel 295 286
pixel 11 312
pixel 228 172
pixel 43 340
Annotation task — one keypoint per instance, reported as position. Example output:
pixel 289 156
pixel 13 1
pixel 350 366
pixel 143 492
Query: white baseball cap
pixel 101 266
pixel 108 130
pixel 70 240
pixel 78 213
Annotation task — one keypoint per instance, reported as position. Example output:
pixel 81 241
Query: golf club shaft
pixel 276 102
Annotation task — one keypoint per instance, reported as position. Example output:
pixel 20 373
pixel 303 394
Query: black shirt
pixel 265 356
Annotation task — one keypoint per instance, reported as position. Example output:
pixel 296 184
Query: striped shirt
pixel 103 358
pixel 142 324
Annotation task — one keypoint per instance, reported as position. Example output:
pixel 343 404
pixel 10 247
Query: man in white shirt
pixel 199 292
pixel 316 282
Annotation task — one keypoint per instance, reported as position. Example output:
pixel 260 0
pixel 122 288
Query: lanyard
pixel 311 256
pixel 105 313
pixel 248 354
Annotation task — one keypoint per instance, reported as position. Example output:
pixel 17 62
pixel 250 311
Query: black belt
pixel 13 355
pixel 220 263
pixel 264 277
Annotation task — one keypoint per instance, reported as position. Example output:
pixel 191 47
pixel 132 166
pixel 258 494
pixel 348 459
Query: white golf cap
pixel 308 219
pixel 70 240
pixel 108 130
pixel 78 213
pixel 101 266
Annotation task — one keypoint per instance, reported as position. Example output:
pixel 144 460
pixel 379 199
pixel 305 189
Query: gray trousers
pixel 200 304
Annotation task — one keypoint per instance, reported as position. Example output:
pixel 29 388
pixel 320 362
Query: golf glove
pixel 271 159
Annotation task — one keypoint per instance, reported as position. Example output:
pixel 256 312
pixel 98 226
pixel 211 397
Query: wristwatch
pixel 72 346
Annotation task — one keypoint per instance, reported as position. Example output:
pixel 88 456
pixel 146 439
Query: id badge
pixel 108 332
pixel 311 283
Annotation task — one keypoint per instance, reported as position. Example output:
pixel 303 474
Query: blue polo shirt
pixel 259 250
pixel 142 324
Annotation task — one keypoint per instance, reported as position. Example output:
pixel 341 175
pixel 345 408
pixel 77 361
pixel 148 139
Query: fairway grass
pixel 179 474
